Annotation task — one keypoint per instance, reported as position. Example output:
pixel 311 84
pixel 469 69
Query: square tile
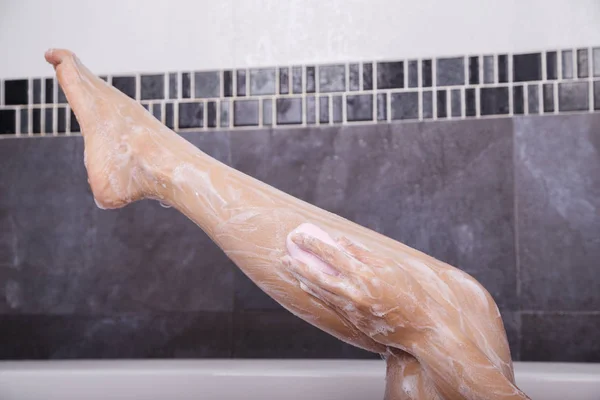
pixel 549 337
pixel 533 98
pixel 24 121
pixel 289 111
pixel 245 113
pixel 450 71
pixel 49 90
pixel 502 68
pixel 173 85
pixel 152 87
pixel 558 216
pixel 456 103
pixel 8 121
pixel 596 61
pixel 125 84
pixel 573 96
pixel 427 104
pixel 390 75
pixel 354 77
pixel 169 116
pixel 267 110
pixel 16 92
pixel 61 120
pixel 186 85
pixel 583 68
pixel 227 83
pixel 405 105
pixel 567 64
pixel 597 95
pixel 359 107
pixel 488 69
pixel 176 335
pixel 254 337
pixel 324 109
pixel 191 115
pixel 310 80
pixel 441 104
pixel 36 120
pixel 473 70
pixel 211 114
pixel 476 234
pixel 37 91
pixel 548 97
pixel 241 82
pixel 381 106
pixel 518 100
pixel 332 78
pixel 224 114
pixel 413 74
pixel 494 101
pixel 528 67
pixel 207 84
pixel 311 108
pixel 284 80
pixel 367 75
pixel 262 81
pixel 337 105
pixel 426 73
pixel 48 120
pixel 296 80
pixel 551 66
pixel 470 103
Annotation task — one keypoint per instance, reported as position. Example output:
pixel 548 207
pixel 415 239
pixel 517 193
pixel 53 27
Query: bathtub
pixel 252 379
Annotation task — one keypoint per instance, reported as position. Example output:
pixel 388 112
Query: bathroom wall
pixel 481 150
pixel 514 202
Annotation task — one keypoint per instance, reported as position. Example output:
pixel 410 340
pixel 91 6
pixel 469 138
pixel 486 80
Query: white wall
pixel 136 35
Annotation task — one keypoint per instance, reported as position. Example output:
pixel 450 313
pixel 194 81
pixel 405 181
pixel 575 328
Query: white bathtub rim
pixel 276 367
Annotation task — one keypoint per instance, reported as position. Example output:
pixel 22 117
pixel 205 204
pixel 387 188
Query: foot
pixel 118 133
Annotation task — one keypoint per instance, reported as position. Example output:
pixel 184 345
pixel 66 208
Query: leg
pixel 130 156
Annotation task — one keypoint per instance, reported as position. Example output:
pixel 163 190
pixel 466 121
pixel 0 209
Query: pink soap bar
pixel 307 258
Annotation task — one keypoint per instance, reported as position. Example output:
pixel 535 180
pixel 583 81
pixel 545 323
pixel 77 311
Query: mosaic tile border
pixel 443 88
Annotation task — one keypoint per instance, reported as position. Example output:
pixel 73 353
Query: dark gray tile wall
pixel 557 175
pixel 514 202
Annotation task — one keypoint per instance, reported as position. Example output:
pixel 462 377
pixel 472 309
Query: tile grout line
pixel 434 89
pixel 525 99
pixel 555 97
pixel 449 103
pixel 511 85
pixel 590 79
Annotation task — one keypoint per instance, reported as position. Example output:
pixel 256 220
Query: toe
pixel 57 56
